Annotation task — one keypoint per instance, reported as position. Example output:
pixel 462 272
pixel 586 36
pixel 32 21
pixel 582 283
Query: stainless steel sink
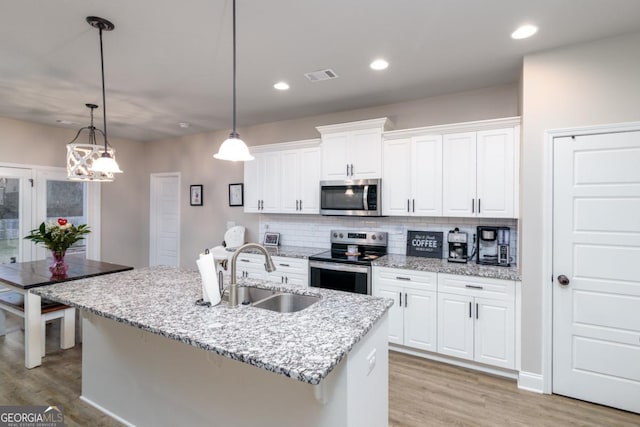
pixel 287 303
pixel 249 294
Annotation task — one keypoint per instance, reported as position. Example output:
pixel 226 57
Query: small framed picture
pixel 236 194
pixel 196 195
pixel 271 239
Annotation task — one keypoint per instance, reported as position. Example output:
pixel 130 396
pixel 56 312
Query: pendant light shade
pixel 106 163
pixel 233 148
pixel 81 156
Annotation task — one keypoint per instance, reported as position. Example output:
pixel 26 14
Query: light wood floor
pixel 421 392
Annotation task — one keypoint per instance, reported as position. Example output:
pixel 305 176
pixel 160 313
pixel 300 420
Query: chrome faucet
pixel 233 287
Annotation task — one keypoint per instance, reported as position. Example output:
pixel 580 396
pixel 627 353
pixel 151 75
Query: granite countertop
pixel 305 345
pixel 437 265
pixel 288 251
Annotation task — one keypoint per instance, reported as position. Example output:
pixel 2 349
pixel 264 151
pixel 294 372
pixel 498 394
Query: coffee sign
pixel 426 244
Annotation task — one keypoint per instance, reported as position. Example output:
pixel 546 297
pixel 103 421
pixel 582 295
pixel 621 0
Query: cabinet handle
pixel 403 278
pixel 284 265
pixel 244 260
pixel 297 203
pixel 470 310
pixel 406 300
pixel 286 280
pixel 407 205
pixel 476 310
pixel 400 298
pixel 478 205
pixel 351 169
pixel 281 279
pixel 300 204
pixel 414 205
pixel 347 169
pixel 473 287
pixel 473 205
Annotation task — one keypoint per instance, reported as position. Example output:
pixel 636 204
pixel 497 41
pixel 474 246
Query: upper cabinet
pixel 352 150
pixel 480 173
pixel 412 176
pixel 283 178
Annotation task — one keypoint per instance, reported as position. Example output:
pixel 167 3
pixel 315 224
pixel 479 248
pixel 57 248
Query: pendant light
pixel 80 156
pixel 106 163
pixel 233 148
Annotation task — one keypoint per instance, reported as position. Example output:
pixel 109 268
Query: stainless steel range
pixel 347 266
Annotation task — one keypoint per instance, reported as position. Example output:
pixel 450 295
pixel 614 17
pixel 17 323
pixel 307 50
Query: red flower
pixel 62 221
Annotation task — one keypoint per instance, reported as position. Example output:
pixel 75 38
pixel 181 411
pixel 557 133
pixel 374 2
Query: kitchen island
pixel 151 356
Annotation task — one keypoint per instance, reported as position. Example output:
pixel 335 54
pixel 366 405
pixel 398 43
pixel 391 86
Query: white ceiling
pixel 169 61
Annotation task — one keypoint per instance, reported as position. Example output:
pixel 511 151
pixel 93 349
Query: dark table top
pixel 32 274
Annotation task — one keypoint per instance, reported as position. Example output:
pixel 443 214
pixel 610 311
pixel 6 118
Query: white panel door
pixel 252 184
pixel 396 177
pixel 290 184
pixel 164 220
pixel 596 246
pixel 420 320
pixel 271 175
pixel 426 175
pixel 495 174
pixel 455 325
pixel 334 156
pixel 309 176
pixel 459 174
pixel 495 340
pixel 365 154
pixel 396 322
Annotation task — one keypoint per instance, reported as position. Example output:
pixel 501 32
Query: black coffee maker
pixel 457 245
pixel 492 246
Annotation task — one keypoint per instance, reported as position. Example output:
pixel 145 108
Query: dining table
pixel 22 277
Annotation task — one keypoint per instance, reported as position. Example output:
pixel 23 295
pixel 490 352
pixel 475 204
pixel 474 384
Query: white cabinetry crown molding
pixel 292 145
pixel 474 126
pixel 383 123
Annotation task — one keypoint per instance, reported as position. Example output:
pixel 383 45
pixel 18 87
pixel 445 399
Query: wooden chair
pixel 13 302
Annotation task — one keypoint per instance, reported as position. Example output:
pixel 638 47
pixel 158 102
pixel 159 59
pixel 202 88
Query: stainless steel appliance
pixel 493 246
pixel 343 269
pixel 352 197
pixel 458 245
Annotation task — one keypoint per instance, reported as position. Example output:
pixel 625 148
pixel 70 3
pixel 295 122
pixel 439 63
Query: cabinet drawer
pixel 425 280
pixel 476 286
pixel 291 265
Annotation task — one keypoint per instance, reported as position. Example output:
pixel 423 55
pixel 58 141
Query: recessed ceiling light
pixel 184 125
pixel 65 122
pixel 524 32
pixel 281 86
pixel 379 64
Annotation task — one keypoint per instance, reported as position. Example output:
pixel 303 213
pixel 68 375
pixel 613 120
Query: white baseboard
pixel 531 382
pixel 107 412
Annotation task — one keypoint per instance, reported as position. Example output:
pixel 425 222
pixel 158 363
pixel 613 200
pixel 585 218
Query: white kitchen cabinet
pixel 352 150
pixel 249 266
pixel 290 271
pixel 300 181
pixel 476 319
pixel 479 173
pixel 262 183
pixel 412 318
pixel 412 176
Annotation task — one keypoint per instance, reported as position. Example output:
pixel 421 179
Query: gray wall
pixel 586 84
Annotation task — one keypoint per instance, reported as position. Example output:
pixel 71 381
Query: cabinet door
pixel 495 332
pixel 420 319
pixel 252 185
pixel 495 174
pixel 289 184
pixel 396 322
pixel 459 174
pixel 309 180
pixel 334 156
pixel 455 325
pixel 271 182
pixel 426 175
pixel 365 154
pixel 396 177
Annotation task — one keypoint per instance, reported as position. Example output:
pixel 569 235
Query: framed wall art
pixel 195 195
pixel 271 239
pixel 236 194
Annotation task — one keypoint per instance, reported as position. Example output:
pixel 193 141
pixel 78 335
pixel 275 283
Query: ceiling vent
pixel 317 76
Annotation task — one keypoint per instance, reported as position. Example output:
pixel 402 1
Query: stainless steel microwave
pixel 359 197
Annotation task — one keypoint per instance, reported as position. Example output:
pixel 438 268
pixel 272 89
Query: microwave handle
pixel 365 198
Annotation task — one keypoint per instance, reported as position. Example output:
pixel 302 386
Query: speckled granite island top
pixel 305 345
pixel 444 266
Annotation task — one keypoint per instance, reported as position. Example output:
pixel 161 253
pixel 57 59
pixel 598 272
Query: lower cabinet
pixel 412 318
pixel 290 271
pixel 476 319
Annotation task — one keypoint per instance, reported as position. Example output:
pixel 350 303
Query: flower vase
pixel 58 267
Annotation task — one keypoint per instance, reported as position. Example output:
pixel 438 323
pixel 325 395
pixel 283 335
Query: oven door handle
pixel 337 266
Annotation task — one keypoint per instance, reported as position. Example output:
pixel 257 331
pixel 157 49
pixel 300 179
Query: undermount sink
pixel 249 294
pixel 287 303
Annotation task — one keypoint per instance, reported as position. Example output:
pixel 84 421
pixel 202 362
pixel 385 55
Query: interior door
pixel 15 214
pixel 164 220
pixel 596 263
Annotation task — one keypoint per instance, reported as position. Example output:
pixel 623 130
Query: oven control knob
pixel 335 234
pixel 341 235
pixel 373 237
pixel 381 237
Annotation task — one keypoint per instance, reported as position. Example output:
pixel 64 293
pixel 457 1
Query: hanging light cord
pixel 104 103
pixel 234 134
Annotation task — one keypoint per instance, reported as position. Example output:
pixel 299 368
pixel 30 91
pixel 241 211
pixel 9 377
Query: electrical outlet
pixel 371 361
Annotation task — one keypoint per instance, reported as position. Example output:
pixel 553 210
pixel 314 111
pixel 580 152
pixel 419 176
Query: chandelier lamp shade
pixel 81 156
pixel 106 162
pixel 233 148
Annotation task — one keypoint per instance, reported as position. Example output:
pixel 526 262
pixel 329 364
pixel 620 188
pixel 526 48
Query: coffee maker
pixel 492 246
pixel 458 245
